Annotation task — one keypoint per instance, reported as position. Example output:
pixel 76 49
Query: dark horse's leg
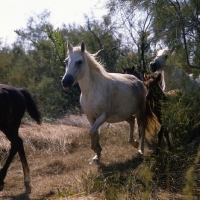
pixel 166 134
pixel 160 136
pixel 16 146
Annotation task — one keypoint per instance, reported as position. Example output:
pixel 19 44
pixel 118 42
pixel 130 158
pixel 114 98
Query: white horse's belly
pixel 121 115
pixel 111 115
pixel 116 118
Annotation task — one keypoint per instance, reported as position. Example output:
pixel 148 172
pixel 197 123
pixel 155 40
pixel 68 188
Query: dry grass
pixel 58 155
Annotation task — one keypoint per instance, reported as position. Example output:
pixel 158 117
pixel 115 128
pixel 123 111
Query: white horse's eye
pixel 79 62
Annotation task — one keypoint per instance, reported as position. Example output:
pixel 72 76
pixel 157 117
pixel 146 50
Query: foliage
pixel 179 23
pixel 36 60
pixel 181 117
pixel 191 179
pixel 163 23
pixel 104 35
pixel 137 31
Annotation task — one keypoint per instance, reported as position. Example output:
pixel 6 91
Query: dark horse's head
pixel 153 84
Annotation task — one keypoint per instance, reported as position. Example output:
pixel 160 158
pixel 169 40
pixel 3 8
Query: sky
pixel 14 14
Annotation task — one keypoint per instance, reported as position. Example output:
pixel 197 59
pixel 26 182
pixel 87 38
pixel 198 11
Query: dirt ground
pixel 58 155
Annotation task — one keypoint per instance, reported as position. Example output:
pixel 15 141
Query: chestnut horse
pixel 157 95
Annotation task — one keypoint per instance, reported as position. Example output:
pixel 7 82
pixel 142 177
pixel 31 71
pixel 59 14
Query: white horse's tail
pixel 152 124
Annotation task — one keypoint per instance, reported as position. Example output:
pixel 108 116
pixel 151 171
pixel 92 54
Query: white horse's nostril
pixel 67 81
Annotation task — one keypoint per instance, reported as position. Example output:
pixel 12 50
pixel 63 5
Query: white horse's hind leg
pixel 141 120
pixel 141 128
pixel 131 140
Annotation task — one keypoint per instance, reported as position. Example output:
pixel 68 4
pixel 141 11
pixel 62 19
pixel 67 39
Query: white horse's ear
pixel 70 47
pixel 82 46
pixel 95 54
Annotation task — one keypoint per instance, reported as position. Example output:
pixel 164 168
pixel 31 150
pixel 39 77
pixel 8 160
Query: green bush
pixel 181 116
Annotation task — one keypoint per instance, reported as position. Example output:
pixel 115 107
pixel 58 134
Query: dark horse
pixel 133 71
pixel 13 103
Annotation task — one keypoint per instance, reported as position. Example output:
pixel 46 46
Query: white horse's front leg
pixel 95 145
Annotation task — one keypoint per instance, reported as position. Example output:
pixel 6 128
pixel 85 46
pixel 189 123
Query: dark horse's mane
pixel 156 95
pixel 13 104
pixel 133 71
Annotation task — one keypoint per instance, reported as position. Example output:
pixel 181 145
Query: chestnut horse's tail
pixel 152 124
pixel 31 106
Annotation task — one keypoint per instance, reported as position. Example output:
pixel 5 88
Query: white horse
pixel 173 78
pixel 108 97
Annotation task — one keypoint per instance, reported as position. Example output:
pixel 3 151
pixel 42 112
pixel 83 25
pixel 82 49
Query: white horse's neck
pixel 91 79
pixel 85 83
pixel 167 77
pixel 163 81
pixel 174 78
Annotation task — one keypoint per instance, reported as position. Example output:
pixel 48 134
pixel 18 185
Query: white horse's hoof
pixel 139 153
pixel 95 160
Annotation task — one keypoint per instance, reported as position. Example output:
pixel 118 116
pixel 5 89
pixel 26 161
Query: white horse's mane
pixel 92 62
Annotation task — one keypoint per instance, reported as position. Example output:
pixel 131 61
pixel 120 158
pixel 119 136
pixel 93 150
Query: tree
pixel 105 34
pixel 6 64
pixel 179 21
pixel 135 21
pixel 41 70
pixel 172 23
pixel 97 36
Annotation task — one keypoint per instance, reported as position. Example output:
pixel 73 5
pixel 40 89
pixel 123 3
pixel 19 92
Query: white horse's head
pixel 75 64
pixel 159 62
